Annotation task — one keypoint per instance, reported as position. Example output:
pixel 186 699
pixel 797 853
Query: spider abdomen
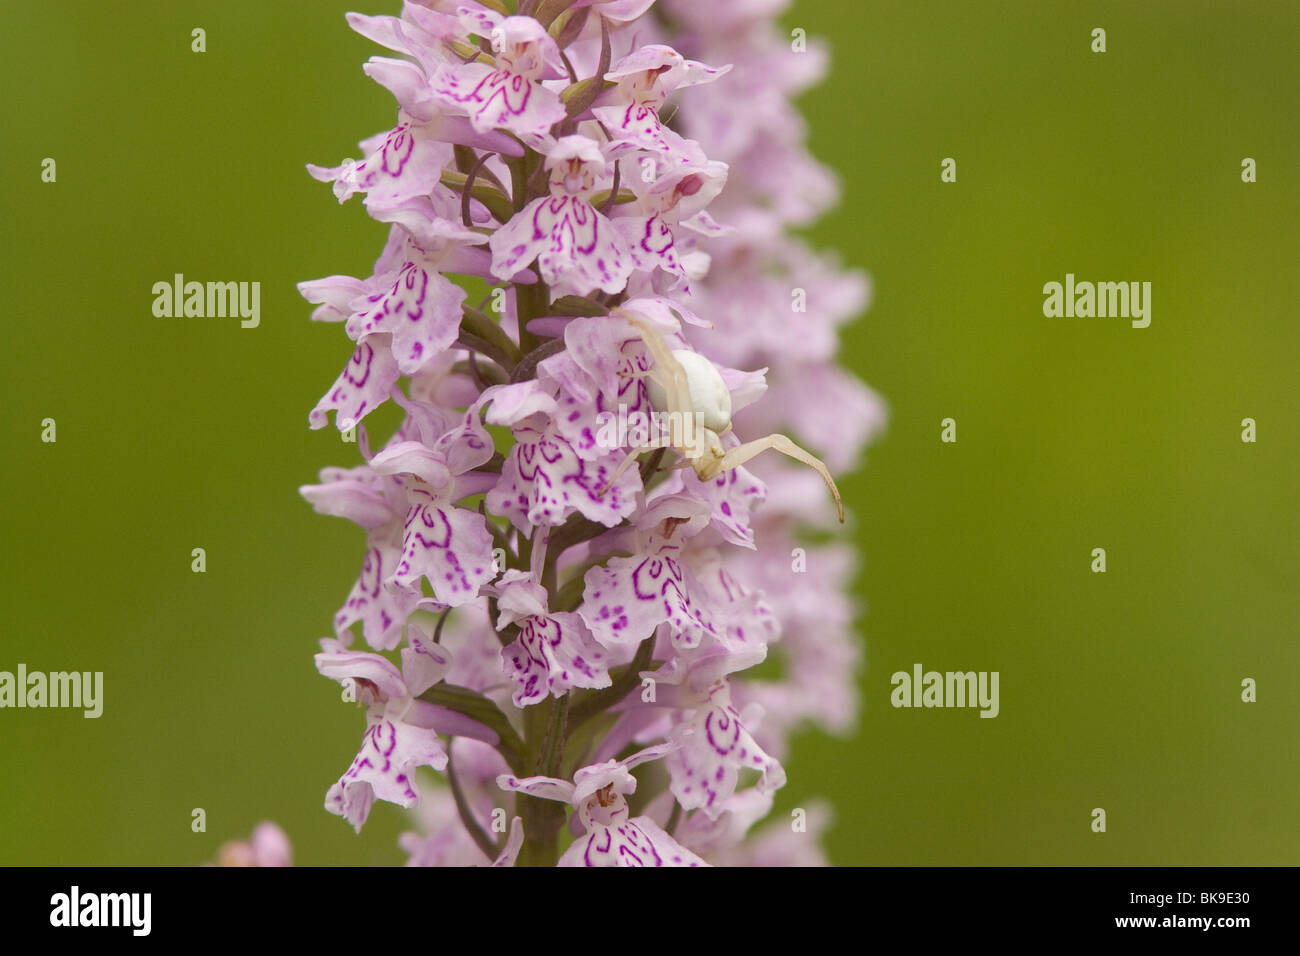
pixel 710 398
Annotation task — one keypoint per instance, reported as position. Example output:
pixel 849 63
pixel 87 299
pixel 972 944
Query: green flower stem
pixel 497 202
pixel 542 819
pixel 531 301
pixel 481 327
pixel 597 702
pixel 467 818
pixel 476 707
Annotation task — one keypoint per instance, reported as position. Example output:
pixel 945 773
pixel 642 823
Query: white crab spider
pixel 688 387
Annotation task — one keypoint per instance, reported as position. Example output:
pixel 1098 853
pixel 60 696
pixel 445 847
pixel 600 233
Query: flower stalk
pixel 599 600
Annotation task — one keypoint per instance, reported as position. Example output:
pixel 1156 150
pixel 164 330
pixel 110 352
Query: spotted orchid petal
pixel 552 654
pixel 403 163
pixel 715 747
pixel 384 769
pixel 499 99
pixel 652 246
pixel 576 248
pixel 333 295
pixel 364 384
pixel 420 311
pixel 544 480
pixel 380 606
pixel 625 601
pixel 450 548
pixel 638 841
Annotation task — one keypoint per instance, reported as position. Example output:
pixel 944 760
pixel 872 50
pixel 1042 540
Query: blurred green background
pixel 1118 690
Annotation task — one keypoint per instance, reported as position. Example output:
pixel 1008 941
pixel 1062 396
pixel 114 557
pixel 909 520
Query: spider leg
pixel 638 373
pixel 622 467
pixel 671 377
pixel 743 453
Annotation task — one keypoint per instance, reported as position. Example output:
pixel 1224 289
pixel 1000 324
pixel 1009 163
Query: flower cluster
pixel 559 614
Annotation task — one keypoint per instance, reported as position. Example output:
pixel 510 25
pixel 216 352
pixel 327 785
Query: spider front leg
pixel 671 376
pixel 692 398
pixel 623 466
pixel 743 453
